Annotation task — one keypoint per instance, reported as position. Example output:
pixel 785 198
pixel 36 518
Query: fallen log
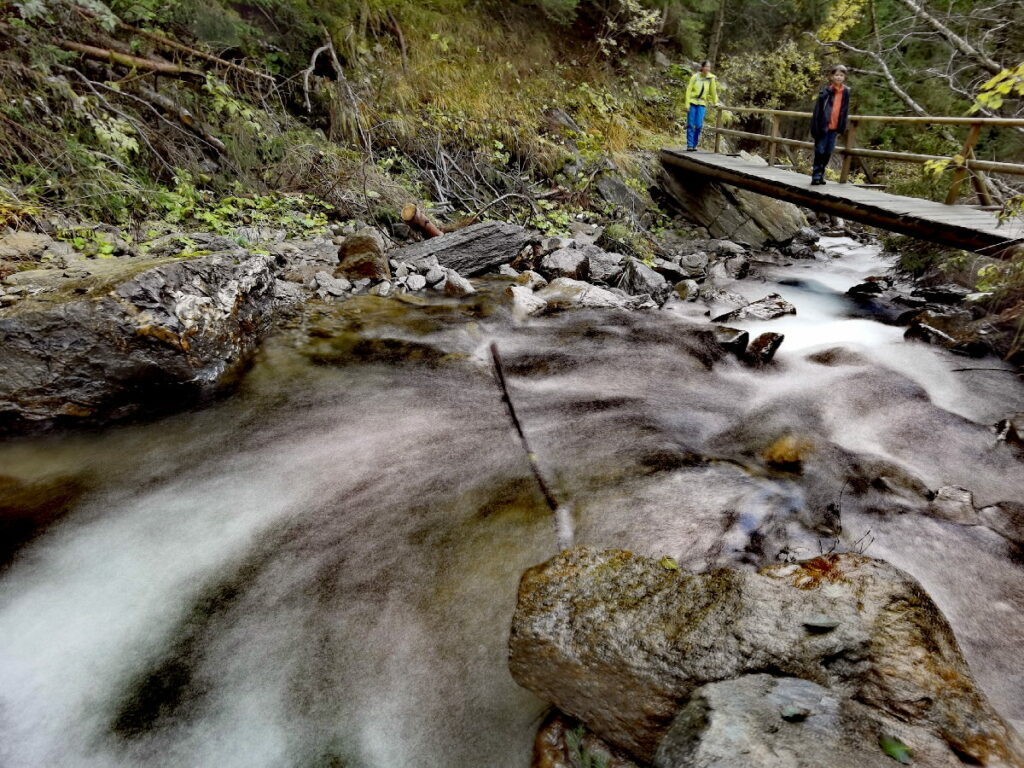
pixel 128 60
pixel 418 220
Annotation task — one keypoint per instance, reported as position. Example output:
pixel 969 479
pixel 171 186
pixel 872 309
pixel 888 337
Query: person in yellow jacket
pixel 701 91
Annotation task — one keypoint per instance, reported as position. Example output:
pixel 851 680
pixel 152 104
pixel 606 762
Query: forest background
pixel 207 114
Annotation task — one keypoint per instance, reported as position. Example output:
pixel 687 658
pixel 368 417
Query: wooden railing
pixel 850 150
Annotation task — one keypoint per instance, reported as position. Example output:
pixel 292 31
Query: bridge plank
pixel 960 226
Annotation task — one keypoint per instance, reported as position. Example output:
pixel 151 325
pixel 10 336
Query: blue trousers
pixel 823 148
pixel 694 122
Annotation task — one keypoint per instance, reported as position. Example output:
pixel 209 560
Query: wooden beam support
pixel 772 148
pixel 961 172
pixel 851 142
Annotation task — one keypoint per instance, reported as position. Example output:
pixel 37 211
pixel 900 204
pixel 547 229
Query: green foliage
pixel 780 78
pixel 579 755
pixel 895 749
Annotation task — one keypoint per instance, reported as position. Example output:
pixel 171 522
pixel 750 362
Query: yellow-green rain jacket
pixel 702 90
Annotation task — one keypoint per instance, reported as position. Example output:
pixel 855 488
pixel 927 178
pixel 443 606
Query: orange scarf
pixel 837 105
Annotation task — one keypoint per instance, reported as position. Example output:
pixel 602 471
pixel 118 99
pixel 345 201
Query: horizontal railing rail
pixel 962 164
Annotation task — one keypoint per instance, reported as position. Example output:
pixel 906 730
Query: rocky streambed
pixel 323 568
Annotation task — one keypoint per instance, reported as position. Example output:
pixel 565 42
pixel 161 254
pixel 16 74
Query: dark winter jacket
pixel 823 110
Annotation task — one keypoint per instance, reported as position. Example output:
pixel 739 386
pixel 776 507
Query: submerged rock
pixel 762 349
pixel 625 645
pixel 732 339
pixel 524 301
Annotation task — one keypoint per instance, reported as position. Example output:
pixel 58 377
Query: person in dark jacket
pixel 829 120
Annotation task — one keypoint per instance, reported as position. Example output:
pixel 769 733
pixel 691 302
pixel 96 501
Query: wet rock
pixel 622 643
pixel 837 356
pixel 382 289
pixel 688 290
pixel 773 722
pixel 605 267
pixel 807 236
pixel 638 278
pixel 524 301
pixel 953 330
pixel 361 256
pixel 472 251
pixel 942 294
pixel 768 308
pixel 456 284
pixel 565 293
pixel 1011 430
pixel 565 262
pixel 870 287
pixel 155 342
pixel 506 270
pixel 731 268
pixel 416 282
pixel 732 340
pixel 670 270
pixel 762 349
pixel 954 504
pixel 531 280
pixel 1005 518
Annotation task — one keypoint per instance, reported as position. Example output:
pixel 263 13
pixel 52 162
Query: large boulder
pixel 731 213
pixel 362 256
pixel 471 251
pixel 154 341
pixel 624 643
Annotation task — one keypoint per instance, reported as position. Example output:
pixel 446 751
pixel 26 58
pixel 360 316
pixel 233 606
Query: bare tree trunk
pixel 951 37
pixel 714 48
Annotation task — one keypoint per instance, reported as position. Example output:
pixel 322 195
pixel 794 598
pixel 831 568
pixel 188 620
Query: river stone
pixel 333 285
pixel 565 262
pixel 549 244
pixel 955 505
pixel 416 282
pixel 637 278
pixel 565 293
pixel 471 251
pixel 693 264
pixel 763 348
pixel 688 290
pixel 732 340
pixel 726 248
pixel 456 285
pixel 768 308
pixel 955 330
pixel 942 294
pixel 621 643
pixel 531 279
pixel 362 255
pixel 434 275
pixel 506 270
pixel 524 301
pixel 155 342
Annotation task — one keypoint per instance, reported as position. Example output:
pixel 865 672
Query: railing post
pixel 851 142
pixel 961 172
pixel 981 187
pixel 718 124
pixel 772 145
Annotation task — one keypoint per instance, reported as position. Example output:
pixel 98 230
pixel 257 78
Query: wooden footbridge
pixel 972 228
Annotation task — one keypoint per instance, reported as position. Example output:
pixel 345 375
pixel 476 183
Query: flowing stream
pixel 320 570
